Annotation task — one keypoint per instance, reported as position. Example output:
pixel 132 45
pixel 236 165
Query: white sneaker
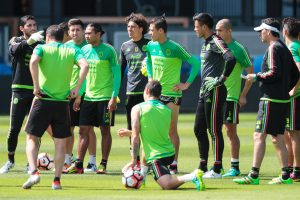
pixel 32 180
pixel 90 168
pixel 6 167
pixel 212 174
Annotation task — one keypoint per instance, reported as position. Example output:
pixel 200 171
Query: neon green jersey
pixel 294 47
pixel 164 65
pixel 55 68
pixel 104 76
pixel 76 69
pixel 155 120
pixel 233 82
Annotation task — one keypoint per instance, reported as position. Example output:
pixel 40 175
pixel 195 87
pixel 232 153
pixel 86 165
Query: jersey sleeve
pixel 78 54
pixel 123 61
pixel 244 58
pixel 116 70
pixel 296 53
pixel 16 45
pixel 274 71
pixel 38 50
pixel 149 62
pixel 182 53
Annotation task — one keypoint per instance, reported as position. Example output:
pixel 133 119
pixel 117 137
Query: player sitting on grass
pixel 151 123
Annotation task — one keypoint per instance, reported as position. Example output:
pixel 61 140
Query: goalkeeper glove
pixel 144 68
pixel 211 83
pixel 35 37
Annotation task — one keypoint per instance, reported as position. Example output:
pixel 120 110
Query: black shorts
pixel 293 115
pixel 131 101
pixel 168 99
pixel 271 117
pixel 159 167
pixel 44 113
pixel 75 115
pixel 209 112
pixel 231 112
pixel 95 113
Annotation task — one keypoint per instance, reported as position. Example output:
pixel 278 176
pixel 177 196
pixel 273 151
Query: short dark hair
pixel 64 27
pixel 204 18
pixel 160 22
pixel 24 19
pixel 154 88
pixel 97 28
pixel 274 23
pixel 292 26
pixel 55 32
pixel 140 20
pixel 75 21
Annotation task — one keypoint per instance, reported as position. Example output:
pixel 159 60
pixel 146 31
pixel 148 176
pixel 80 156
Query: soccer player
pixel 290 33
pixel 133 52
pixel 20 50
pixel 235 99
pixel 76 32
pixel 102 88
pixel 65 28
pixel 278 76
pixel 151 122
pixel 51 68
pixel 217 62
pixel 164 60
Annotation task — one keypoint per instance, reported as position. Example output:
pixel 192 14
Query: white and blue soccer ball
pixel 45 161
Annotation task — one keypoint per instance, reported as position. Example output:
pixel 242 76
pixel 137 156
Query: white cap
pixel 266 26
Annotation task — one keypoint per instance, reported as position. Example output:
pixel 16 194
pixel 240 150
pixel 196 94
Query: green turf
pixel 92 186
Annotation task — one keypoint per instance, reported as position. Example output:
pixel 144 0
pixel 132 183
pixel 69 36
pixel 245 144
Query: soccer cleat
pixel 73 170
pixel 232 172
pixel 295 177
pixel 279 180
pixel 198 181
pixel 27 169
pixel 101 169
pixel 6 167
pixel 56 185
pixel 247 180
pixel 90 168
pixel 32 180
pixel 212 174
pixel 65 167
pixel 173 169
pixel 73 158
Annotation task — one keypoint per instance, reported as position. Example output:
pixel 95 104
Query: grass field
pixel 92 186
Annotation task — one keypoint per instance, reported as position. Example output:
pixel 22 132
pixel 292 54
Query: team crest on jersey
pixel 144 48
pixel 136 49
pixel 16 100
pixel 100 53
pixel 168 52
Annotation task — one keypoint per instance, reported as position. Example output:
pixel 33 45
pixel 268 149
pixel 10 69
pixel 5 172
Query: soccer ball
pixel 132 179
pixel 44 161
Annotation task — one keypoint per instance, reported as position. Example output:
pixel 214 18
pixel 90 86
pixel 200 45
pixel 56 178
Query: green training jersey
pixel 76 68
pixel 164 62
pixel 104 76
pixel 155 121
pixel 294 47
pixel 233 82
pixel 55 68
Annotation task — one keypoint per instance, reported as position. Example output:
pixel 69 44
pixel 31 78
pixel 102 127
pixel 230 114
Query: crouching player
pixel 151 122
